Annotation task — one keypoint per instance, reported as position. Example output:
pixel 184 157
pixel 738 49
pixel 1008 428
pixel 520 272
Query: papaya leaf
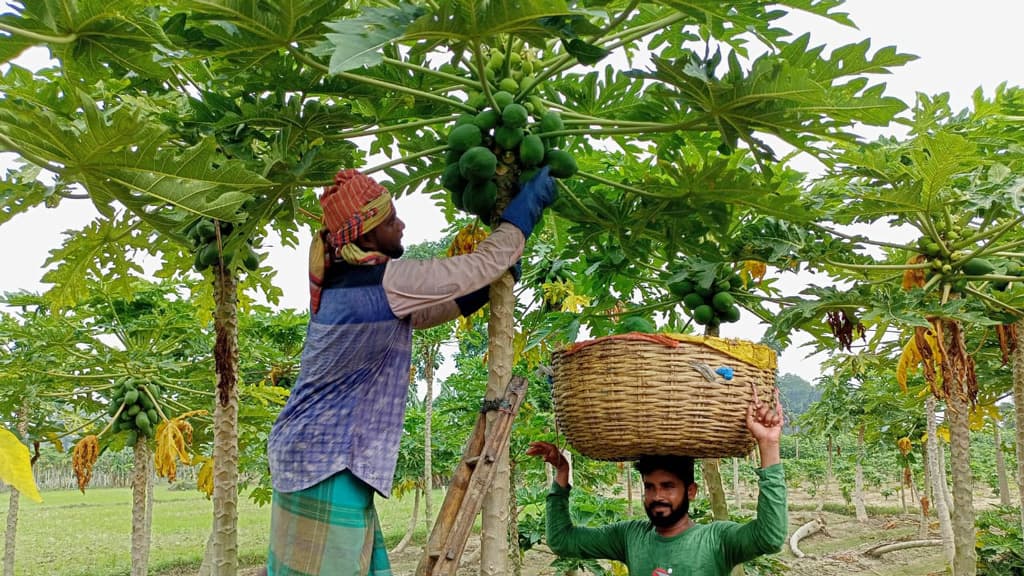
pixel 586 53
pixel 358 42
pixel 471 20
pixel 105 251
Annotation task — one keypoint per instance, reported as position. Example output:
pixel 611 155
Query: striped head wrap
pixel 352 206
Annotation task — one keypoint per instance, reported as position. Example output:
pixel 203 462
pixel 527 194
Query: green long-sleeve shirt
pixel 702 550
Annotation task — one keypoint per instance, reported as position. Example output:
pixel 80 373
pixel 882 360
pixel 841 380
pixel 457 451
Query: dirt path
pixel 840 552
pixel 837 553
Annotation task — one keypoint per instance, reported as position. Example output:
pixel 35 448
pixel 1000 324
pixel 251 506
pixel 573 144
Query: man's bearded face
pixel 666 498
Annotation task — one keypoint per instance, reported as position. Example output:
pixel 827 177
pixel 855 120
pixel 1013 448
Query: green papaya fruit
pixel 464 137
pixel 977 267
pixel 692 300
pixel 479 197
pixel 514 115
pixel 508 137
pixel 531 150
pixel 487 119
pixel 508 85
pixel 680 287
pixel 206 230
pixel 503 98
pixel 478 164
pixel 722 301
pixel 731 314
pixel 703 314
pixel 208 255
pixel 562 164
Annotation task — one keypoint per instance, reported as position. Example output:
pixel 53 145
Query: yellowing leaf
pixel 943 432
pixel 172 440
pixel 575 303
pixel 16 466
pixel 55 440
pixel 204 479
pixel 754 271
pixel 976 419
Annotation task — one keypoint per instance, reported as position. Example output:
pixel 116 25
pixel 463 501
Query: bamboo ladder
pixel 471 480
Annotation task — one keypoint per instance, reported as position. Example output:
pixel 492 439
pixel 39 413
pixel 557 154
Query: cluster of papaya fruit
pixel 709 303
pixel 134 403
pixel 508 131
pixel 953 266
pixel 202 232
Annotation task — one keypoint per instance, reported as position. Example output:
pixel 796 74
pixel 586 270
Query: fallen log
pixel 812 527
pixel 877 551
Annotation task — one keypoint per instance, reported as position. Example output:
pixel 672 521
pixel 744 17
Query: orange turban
pixel 353 205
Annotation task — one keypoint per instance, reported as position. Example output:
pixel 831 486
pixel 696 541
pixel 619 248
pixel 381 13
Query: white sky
pixel 962 46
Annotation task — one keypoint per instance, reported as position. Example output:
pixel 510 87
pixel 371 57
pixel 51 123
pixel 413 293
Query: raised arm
pixel 564 538
pixel 767 532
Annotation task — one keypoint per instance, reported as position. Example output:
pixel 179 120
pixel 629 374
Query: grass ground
pixel 71 534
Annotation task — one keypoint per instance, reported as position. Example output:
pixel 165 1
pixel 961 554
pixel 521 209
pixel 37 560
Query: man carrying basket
pixel 671 543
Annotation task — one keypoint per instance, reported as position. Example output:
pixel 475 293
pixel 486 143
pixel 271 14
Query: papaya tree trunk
pixel 428 449
pixel 224 541
pixel 926 492
pixel 938 482
pixel 142 477
pixel 858 480
pixel 945 493
pixel 629 489
pixel 828 477
pixel 494 552
pixel 515 555
pixel 10 535
pixel 716 493
pixel 411 528
pixel 965 562
pixel 1004 484
pixel 12 530
pixel 1018 411
pixel 736 483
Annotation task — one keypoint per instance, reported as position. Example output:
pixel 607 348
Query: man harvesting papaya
pixel 336 441
pixel 671 543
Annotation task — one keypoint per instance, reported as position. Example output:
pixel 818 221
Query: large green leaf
pixel 117 155
pixel 358 42
pixel 247 33
pixel 456 21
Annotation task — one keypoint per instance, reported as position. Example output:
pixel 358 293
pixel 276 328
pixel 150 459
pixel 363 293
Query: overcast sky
pixel 962 45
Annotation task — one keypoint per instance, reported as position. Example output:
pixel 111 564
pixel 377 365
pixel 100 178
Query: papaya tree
pixel 948 190
pixel 114 353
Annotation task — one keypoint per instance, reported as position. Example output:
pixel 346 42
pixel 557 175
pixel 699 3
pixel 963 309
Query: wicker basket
pixel 619 398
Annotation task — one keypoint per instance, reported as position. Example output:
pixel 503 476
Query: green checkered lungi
pixel 329 529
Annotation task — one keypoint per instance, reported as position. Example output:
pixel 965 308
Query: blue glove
pixel 517 270
pixel 525 210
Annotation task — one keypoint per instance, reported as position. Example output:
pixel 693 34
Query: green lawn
pixel 71 534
